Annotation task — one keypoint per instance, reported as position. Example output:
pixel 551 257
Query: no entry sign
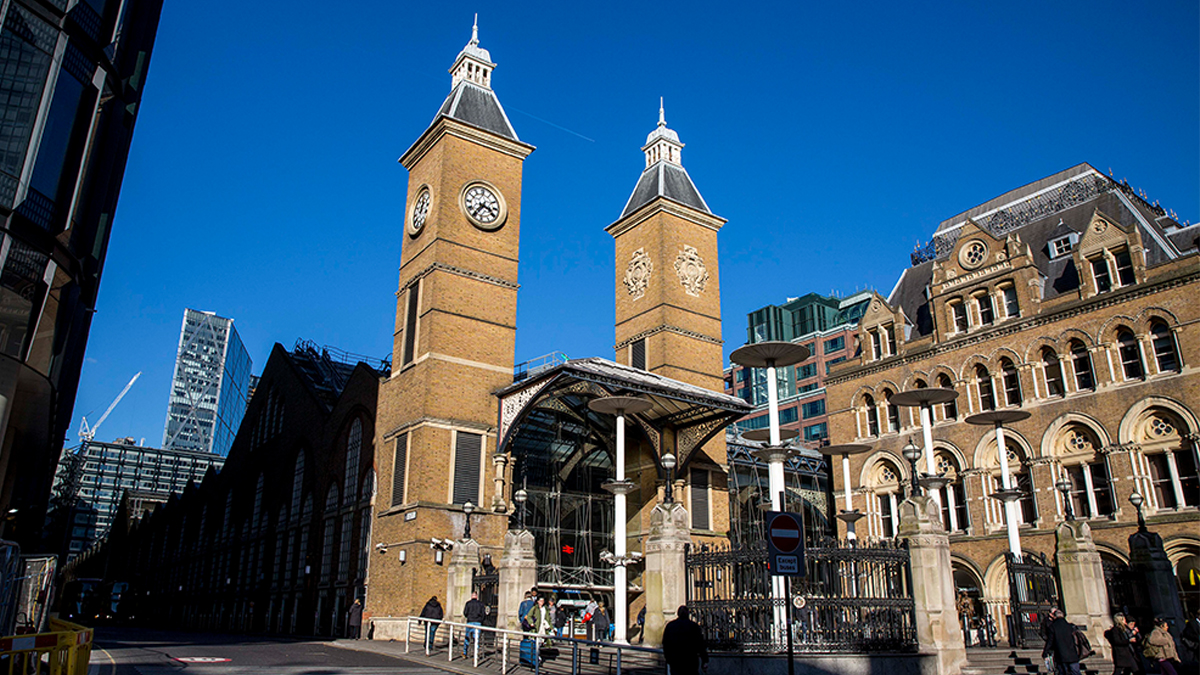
pixel 785 538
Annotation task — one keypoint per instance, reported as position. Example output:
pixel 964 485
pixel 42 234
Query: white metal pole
pixel 773 413
pixel 927 436
pixel 850 535
pixel 619 575
pixel 1010 506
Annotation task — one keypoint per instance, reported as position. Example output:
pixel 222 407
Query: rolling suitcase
pixel 528 652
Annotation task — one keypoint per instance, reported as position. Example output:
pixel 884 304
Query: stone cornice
pixel 437 422
pixel 460 271
pixel 668 329
pixel 663 204
pixel 1013 327
pixel 446 126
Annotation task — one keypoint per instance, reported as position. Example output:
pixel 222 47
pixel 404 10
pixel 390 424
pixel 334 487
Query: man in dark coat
pixel 1060 643
pixel 473 613
pixel 1124 646
pixel 683 645
pixel 431 610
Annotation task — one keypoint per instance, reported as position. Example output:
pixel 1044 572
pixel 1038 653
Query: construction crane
pixel 86 433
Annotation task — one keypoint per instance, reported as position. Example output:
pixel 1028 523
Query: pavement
pixel 134 651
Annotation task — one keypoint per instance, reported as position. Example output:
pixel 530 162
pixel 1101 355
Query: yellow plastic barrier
pixel 65 650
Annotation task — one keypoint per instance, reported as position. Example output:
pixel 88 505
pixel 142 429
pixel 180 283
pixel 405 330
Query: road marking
pixel 111 661
pixel 202 659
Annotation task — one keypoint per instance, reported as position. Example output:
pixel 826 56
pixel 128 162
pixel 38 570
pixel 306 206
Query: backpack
pixel 1082 645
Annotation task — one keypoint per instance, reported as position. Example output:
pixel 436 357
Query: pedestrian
pixel 473 613
pixel 354 620
pixel 523 609
pixel 683 645
pixel 561 615
pixel 1124 647
pixel 1190 638
pixel 433 612
pixel 1060 643
pixel 539 618
pixel 641 625
pixel 1160 647
pixel 600 622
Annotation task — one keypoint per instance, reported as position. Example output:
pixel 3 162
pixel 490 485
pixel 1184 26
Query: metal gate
pixel 487 585
pixel 853 599
pixel 1032 592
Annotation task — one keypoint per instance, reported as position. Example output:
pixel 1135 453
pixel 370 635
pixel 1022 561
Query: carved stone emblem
pixel 637 275
pixel 691 270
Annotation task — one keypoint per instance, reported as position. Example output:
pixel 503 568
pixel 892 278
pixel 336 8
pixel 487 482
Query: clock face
pixel 483 206
pixel 420 213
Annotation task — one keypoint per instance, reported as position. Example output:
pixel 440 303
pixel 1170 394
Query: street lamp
pixel 912 453
pixel 519 497
pixel 1137 501
pixel 1008 493
pixel 668 462
pixel 1064 488
pixel 468 509
pixel 925 398
pixel 848 515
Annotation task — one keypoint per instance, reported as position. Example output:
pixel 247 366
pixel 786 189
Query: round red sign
pixel 785 533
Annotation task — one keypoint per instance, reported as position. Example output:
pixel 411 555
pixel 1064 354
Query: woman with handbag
pixel 1160 648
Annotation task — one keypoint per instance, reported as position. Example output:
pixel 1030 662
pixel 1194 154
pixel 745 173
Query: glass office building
pixel 211 385
pixel 72 74
pixel 91 481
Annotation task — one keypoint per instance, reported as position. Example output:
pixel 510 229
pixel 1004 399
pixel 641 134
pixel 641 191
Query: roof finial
pixel 475 30
pixel 662 117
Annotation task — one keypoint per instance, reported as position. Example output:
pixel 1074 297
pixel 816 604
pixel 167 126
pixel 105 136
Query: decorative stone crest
pixel 691 270
pixel 637 275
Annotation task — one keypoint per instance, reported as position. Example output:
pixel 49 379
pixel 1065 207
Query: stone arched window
pixel 328 533
pixel 353 451
pixel 1053 371
pixel 1012 382
pixel 955 514
pixel 872 415
pixel 983 380
pixel 1165 354
pixel 1131 355
pixel 1078 450
pixel 885 480
pixel 949 408
pixel 297 483
pixel 1081 363
pixel 893 411
pixel 1172 466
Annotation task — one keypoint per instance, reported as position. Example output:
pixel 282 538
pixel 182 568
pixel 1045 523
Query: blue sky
pixel 263 183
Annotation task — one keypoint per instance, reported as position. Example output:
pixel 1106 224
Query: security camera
pixel 382 548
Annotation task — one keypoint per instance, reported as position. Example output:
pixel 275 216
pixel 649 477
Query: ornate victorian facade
pixel 1071 298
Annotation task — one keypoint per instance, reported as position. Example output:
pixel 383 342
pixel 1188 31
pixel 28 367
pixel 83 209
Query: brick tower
pixel 668 304
pixel 453 341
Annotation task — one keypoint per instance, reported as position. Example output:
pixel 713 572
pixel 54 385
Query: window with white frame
pixel 1131 355
pixel 1081 362
pixel 1012 307
pixel 958 311
pixel 983 380
pixel 872 415
pixel 1052 369
pixel 1173 469
pixel 1012 382
pixel 1078 449
pixel 1100 274
pixel 983 303
pixel 949 408
pixel 1165 354
pixel 1060 247
pixel 955 513
pixel 1124 265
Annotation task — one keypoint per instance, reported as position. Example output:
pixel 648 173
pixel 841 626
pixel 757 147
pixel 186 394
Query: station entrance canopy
pixel 563 452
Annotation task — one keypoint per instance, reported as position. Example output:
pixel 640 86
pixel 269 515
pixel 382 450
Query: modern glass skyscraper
pixel 211 385
pixel 72 73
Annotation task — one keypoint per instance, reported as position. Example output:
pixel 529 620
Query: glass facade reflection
pixel 211 385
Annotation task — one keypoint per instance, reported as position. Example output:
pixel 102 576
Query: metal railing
pixel 65 650
pixel 509 650
pixel 852 599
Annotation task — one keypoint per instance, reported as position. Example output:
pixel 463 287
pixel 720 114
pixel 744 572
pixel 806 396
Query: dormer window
pixel 1101 275
pixel 958 310
pixel 1124 268
pixel 987 313
pixel 876 345
pixel 1062 246
pixel 1012 308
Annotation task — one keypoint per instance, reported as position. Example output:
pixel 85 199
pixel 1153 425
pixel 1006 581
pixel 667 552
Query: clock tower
pixel 453 343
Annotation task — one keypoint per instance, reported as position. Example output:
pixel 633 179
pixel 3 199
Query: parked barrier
pixel 65 650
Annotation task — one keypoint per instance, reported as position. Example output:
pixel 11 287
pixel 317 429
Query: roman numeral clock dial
pixel 484 205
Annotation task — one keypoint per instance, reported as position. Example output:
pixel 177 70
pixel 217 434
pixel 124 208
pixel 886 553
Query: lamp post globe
pixel 1137 500
pixel 468 509
pixel 520 496
pixel 668 462
pixel 912 453
pixel 1064 488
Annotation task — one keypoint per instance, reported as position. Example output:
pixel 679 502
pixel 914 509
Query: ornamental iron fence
pixel 853 599
pixel 1032 593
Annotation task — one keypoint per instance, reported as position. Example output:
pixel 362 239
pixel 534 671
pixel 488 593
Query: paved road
pixel 131 651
